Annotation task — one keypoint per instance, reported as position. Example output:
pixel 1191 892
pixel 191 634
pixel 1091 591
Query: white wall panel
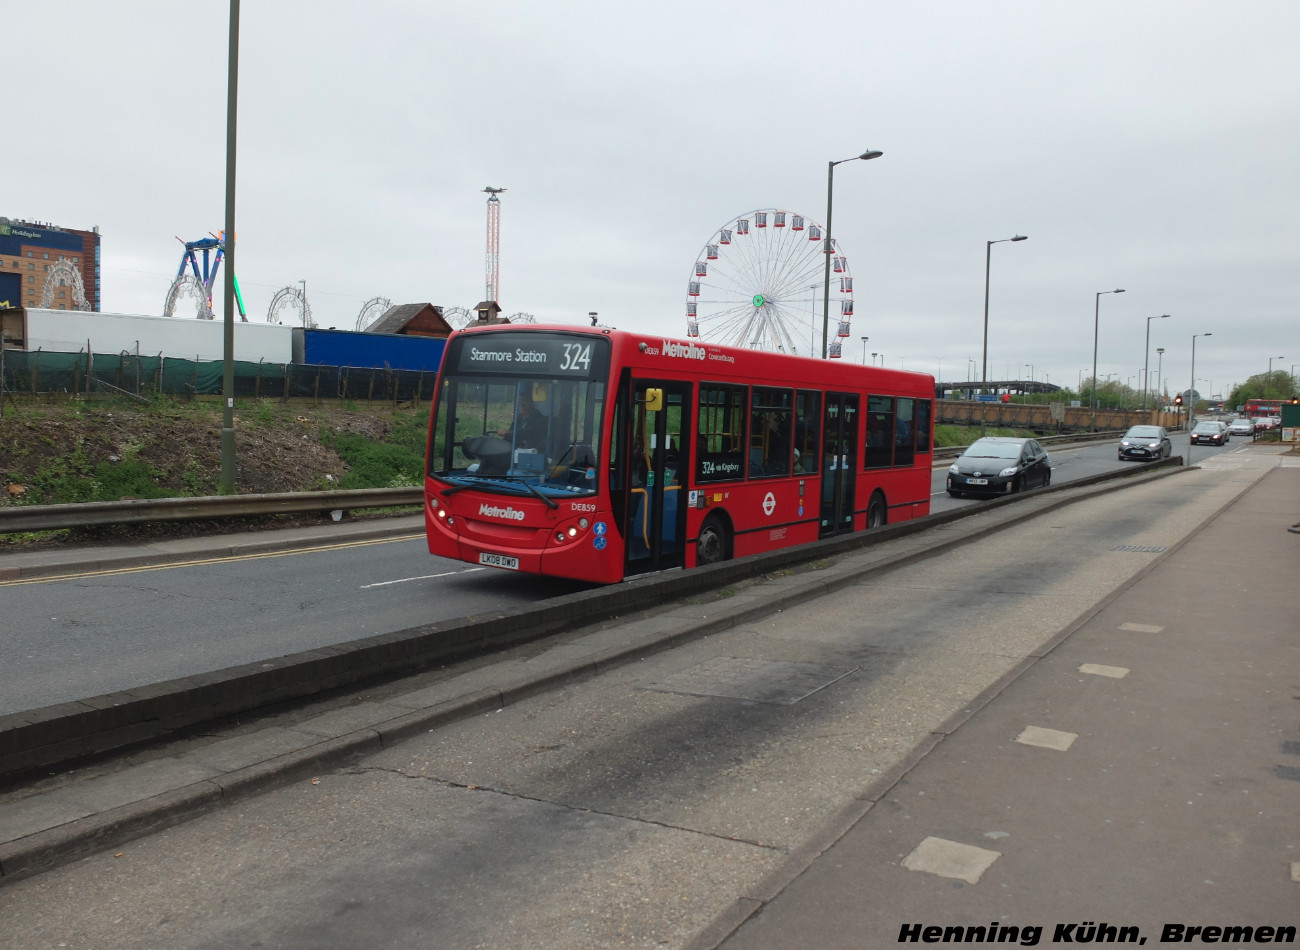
pixel 67 331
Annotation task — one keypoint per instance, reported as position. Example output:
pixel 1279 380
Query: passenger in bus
pixel 529 430
pixel 902 432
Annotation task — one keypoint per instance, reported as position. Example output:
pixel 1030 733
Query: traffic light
pixel 1178 400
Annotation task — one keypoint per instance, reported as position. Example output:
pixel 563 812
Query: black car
pixel 997 466
pixel 1212 433
pixel 1145 443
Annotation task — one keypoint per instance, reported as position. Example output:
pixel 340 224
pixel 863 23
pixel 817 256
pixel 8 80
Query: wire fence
pixel 134 376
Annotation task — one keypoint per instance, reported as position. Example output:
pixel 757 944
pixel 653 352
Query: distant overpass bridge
pixel 1017 387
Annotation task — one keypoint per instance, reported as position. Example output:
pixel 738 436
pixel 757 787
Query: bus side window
pixel 770 433
pixel 905 433
pixel 721 438
pixel 923 407
pixel 879 451
pixel 807 428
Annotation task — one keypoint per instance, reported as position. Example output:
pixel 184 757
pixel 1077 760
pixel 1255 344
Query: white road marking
pixel 1116 672
pixel 1047 738
pixel 951 859
pixel 422 577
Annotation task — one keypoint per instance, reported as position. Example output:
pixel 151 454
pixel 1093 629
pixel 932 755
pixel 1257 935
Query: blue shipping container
pixel 378 350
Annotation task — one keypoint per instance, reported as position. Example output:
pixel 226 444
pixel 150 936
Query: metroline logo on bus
pixel 496 511
pixel 687 351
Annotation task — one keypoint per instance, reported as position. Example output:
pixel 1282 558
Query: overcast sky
pixel 1151 146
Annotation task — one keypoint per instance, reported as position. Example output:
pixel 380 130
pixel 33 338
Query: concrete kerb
pixel 51 736
pixel 173 552
pixel 45 849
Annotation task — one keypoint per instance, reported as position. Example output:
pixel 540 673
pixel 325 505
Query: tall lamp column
pixel 984 372
pixel 830 247
pixel 1160 366
pixel 1191 398
pixel 1146 361
pixel 1096 324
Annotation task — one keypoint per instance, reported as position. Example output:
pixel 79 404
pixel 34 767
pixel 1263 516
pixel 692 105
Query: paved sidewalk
pixel 1144 773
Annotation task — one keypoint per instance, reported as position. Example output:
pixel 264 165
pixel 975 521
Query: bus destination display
pixel 532 354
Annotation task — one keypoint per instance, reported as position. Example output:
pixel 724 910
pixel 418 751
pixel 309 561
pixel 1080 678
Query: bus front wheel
pixel 711 546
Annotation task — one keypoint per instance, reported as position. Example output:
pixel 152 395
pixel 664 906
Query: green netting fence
pixel 41 373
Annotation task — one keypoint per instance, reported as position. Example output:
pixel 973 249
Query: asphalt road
pixel 96 633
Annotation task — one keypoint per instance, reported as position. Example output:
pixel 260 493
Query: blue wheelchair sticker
pixel 599 543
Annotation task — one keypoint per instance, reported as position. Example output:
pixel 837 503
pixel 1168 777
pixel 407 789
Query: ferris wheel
pixel 758 283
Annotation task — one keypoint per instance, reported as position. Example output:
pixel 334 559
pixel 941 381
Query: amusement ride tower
pixel 493 243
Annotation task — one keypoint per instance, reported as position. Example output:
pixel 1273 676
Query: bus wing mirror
pixel 654 400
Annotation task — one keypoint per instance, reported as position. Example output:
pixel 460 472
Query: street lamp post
pixel 826 283
pixel 1096 325
pixel 228 240
pixel 988 260
pixel 864 351
pixel 1160 364
pixel 1146 360
pixel 1268 380
pixel 1191 398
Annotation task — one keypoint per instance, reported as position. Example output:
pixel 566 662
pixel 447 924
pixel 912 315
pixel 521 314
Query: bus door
pixel 839 456
pixel 656 472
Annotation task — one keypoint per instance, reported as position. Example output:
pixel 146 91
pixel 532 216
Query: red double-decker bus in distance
pixel 1264 407
pixel 596 454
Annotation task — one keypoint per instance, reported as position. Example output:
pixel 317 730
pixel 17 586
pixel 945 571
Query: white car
pixel 1241 427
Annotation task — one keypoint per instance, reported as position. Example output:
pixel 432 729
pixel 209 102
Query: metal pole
pixel 1146 361
pixel 1191 398
pixel 228 343
pixel 1096 325
pixel 826 282
pixel 984 372
pixel 830 246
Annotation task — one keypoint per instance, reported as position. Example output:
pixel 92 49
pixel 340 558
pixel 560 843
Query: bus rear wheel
pixel 877 515
pixel 711 546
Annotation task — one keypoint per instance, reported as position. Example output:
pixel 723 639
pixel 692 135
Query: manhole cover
pixel 759 681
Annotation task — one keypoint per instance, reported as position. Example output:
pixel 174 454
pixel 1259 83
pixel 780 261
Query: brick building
pixel 46 266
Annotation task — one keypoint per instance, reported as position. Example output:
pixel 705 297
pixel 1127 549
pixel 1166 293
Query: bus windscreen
pixel 521 416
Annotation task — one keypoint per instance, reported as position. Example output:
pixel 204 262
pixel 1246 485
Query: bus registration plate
pixel 499 560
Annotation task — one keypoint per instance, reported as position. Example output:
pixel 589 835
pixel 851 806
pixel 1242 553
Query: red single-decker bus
pixel 596 454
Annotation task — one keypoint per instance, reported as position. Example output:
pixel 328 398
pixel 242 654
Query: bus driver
pixel 529 430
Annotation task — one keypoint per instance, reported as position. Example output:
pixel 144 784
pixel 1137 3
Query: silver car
pixel 1145 443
